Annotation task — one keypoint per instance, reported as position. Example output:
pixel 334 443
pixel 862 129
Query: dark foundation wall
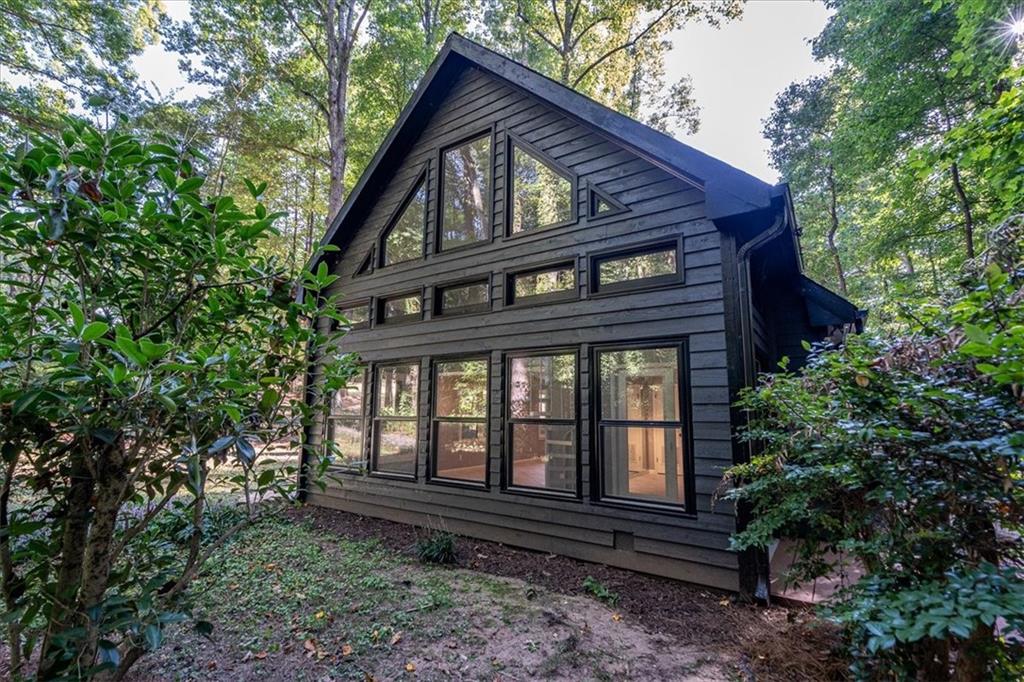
pixel 690 546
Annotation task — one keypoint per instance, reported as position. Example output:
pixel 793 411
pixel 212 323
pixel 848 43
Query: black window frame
pixel 363 464
pixel 689 505
pixel 594 194
pixel 366 266
pixel 432 475
pixel 362 302
pixel 381 302
pixel 489 132
pixel 420 181
pixel 647 283
pixel 438 309
pixel 376 419
pixel 571 294
pixel 508 422
pixel 511 141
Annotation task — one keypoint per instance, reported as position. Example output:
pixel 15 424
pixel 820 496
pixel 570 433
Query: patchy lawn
pixel 324 595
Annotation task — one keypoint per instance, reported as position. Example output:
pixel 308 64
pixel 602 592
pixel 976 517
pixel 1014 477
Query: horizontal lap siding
pixel 690 547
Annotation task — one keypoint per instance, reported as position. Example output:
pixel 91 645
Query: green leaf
pixel 94 330
pixel 190 185
pixel 77 317
pixel 154 636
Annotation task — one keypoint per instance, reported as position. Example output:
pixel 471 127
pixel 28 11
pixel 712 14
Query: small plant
pixel 598 589
pixel 437 548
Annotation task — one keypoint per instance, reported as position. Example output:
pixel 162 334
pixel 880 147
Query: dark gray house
pixel 556 306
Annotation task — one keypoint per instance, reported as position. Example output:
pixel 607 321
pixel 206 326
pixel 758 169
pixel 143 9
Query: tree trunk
pixel 11 588
pixel 833 228
pixel 343 21
pixel 965 207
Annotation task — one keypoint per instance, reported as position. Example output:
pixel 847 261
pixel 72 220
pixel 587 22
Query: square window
pixel 465 194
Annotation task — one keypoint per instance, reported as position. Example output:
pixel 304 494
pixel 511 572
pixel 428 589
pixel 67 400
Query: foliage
pixel 437 548
pixel 145 345
pixel 903 456
pixel 599 590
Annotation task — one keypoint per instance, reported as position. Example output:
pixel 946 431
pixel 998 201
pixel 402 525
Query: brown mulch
pixel 771 643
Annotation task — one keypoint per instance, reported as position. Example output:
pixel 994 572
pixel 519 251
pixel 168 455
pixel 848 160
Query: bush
pixel 144 343
pixel 437 548
pixel 598 589
pixel 905 457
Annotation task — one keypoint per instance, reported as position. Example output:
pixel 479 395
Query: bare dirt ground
pixel 324 595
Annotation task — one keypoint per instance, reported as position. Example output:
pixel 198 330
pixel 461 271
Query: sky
pixel 737 70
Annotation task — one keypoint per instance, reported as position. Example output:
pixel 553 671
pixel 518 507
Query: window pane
pixel 397 388
pixel 641 385
pixel 396 447
pixel 348 401
pixel 544 282
pixel 643 462
pixel 405 240
pixel 640 266
pixel 543 387
pixel 544 456
pixel 402 307
pixel 462 389
pixel 464 296
pixel 356 315
pixel 347 435
pixel 462 451
pixel 467 186
pixel 540 195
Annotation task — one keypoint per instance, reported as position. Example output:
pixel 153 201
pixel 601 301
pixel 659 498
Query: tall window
pixel 395 414
pixel 460 420
pixel 404 240
pixel 640 427
pixel 465 192
pixel 345 425
pixel 541 196
pixel 542 422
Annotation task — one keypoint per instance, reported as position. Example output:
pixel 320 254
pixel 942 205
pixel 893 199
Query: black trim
pixel 410 194
pixel 647 283
pixel 438 309
pixel 408 318
pixel 508 422
pixel 489 132
pixel 594 194
pixel 511 141
pixel 375 420
pixel 570 294
pixel 685 422
pixel 485 423
pixel 366 267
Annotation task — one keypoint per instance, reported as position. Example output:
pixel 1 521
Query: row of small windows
pixel 542 195
pixel 641 431
pixel 642 267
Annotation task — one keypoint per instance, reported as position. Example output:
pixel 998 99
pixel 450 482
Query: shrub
pixel 144 343
pixel 437 548
pixel 598 589
pixel 905 456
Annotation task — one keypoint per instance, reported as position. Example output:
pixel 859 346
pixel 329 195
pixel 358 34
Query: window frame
pixel 366 266
pixel 361 302
pixel 511 141
pixel 508 422
pixel 381 301
pixel 489 132
pixel 593 194
pixel 375 421
pixel 364 463
pixel 647 283
pixel 688 507
pixel 437 309
pixel 572 294
pixel 432 476
pixel 420 180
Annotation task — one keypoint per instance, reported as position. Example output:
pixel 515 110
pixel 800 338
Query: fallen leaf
pixel 863 380
pixel 616 617
pixel 410 667
pixel 261 655
pixel 271 566
pixel 320 615
pixel 346 649
pixel 724 602
pixel 309 645
pixel 396 638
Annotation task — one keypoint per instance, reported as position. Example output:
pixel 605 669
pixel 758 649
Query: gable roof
pixel 728 190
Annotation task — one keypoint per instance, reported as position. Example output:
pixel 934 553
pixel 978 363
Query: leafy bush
pixel 437 548
pixel 905 457
pixel 144 343
pixel 599 590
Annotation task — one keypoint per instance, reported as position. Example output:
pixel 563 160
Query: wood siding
pixel 690 546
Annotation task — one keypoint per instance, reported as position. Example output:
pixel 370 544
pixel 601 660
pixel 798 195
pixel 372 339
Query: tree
pixel 610 50
pixel 146 345
pixel 70 53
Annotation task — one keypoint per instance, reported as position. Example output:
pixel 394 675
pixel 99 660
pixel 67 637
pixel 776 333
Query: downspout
pixel 762 590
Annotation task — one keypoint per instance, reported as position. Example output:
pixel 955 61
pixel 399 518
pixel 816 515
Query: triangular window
pixel 366 267
pixel 542 195
pixel 602 204
pixel 404 239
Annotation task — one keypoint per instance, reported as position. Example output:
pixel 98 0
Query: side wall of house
pixel 690 546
